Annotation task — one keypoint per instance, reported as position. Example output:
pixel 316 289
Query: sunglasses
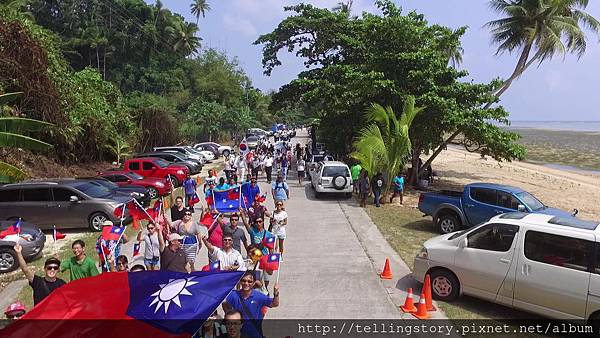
pixel 234 220
pixel 52 267
pixel 248 281
pixel 227 240
pixel 21 315
pixel 188 214
pixel 259 221
pixel 279 204
pixel 150 228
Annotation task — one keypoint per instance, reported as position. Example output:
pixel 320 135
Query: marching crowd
pixel 239 241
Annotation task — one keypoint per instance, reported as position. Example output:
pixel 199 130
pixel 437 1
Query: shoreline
pixel 563 189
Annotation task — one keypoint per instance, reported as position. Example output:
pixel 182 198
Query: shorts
pixel 279 232
pixel 301 174
pixel 155 261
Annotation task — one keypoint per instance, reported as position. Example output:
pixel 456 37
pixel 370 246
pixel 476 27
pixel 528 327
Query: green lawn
pixel 406 230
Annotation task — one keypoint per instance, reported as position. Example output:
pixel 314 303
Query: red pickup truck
pixel 156 167
pixel 155 186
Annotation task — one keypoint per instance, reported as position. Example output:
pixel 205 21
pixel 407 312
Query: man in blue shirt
pixel 398 187
pixel 189 185
pixel 250 303
pixel 251 189
pixel 280 190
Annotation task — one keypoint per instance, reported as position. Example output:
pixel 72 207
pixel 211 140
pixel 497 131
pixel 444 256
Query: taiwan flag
pixel 269 241
pixel 227 200
pixel 270 262
pixel 146 303
pixel 136 249
pixel 56 235
pixel 112 233
pixel 14 229
pixel 194 200
pixel 154 212
pixel 216 266
pixel 209 219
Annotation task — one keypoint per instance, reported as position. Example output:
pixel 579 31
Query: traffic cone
pixel 427 292
pixel 421 309
pixel 387 272
pixel 409 305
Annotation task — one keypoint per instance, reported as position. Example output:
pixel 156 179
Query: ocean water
pixel 586 126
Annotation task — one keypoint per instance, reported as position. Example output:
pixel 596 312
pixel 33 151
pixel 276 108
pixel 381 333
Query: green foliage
pixel 119 148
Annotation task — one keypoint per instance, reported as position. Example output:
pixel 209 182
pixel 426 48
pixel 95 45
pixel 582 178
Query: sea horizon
pixel 578 126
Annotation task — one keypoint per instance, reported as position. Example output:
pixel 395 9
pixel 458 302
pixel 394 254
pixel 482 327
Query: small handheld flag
pixel 136 249
pixel 269 241
pixel 194 200
pixel 215 266
pixel 209 219
pixel 270 262
pixel 14 229
pixel 56 235
pixel 112 233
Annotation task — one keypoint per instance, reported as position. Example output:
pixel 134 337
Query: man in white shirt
pixel 268 163
pixel 229 258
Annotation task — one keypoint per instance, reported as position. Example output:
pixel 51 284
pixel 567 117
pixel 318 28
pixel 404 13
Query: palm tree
pixel 119 148
pixel 343 7
pixel 384 145
pixel 184 37
pixel 539 29
pixel 199 7
pixel 11 129
pixel 160 11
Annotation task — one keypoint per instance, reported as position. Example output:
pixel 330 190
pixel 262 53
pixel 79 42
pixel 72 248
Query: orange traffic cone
pixel 427 292
pixel 421 309
pixel 409 305
pixel 387 272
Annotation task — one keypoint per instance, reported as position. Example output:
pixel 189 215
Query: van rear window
pixel 566 252
pixel 330 171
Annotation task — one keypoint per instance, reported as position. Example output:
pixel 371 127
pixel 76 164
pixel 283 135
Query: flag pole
pixel 278 262
pixel 54 237
pixel 104 255
pixel 141 207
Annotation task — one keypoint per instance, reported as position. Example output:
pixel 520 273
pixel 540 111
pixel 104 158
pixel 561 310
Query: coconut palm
pixel 11 129
pixel 119 148
pixel 199 7
pixel 384 145
pixel 160 12
pixel 343 7
pixel 184 37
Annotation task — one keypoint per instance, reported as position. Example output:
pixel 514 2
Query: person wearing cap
pixel 42 286
pixel 172 256
pixel 113 245
pixel 15 311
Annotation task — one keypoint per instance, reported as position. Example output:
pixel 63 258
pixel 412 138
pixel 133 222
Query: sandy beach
pixel 557 188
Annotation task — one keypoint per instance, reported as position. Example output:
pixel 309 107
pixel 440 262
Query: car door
pixel 149 169
pixel 483 264
pixel 10 203
pixel 37 206
pixel 134 166
pixel 480 205
pixel 69 214
pixel 506 202
pixel 553 272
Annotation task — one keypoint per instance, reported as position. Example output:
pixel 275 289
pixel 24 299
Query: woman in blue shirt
pixel 398 187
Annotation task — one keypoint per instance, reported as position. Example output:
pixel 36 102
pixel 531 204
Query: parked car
pixel 32 241
pixel 223 150
pixel 183 150
pixel 535 262
pixel 66 203
pixel 315 159
pixel 194 166
pixel 156 167
pixel 207 154
pixel 477 203
pixel 252 141
pixel 133 191
pixel 156 187
pixel 331 177
pixel 263 134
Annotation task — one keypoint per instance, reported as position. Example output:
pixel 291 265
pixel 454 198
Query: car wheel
pixel 174 181
pixel 448 223
pixel 225 152
pixel 96 221
pixel 152 192
pixel 8 260
pixel 444 285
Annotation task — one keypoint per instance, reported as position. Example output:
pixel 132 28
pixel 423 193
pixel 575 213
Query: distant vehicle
pixel 66 203
pixel 183 150
pixel 331 177
pixel 156 167
pixel 252 141
pixel 535 262
pixel 258 132
pixel 320 148
pixel 207 154
pixel 477 203
pixel 195 167
pixel 314 159
pixel 223 150
pixel 207 147
pixel 32 241
pixel 133 191
pixel 156 187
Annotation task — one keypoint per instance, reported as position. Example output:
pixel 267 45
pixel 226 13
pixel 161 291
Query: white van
pixel 543 264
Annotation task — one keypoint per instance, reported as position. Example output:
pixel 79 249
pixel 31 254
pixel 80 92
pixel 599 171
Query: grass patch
pixel 406 230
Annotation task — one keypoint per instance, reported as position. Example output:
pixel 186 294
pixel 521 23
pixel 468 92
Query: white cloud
pixel 239 25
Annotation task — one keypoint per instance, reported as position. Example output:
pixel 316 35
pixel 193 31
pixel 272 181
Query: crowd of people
pixel 234 241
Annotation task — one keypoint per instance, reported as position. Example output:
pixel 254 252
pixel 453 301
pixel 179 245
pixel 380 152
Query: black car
pixel 194 166
pixel 135 191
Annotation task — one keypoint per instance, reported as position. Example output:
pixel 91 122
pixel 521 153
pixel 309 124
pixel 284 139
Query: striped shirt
pixel 227 259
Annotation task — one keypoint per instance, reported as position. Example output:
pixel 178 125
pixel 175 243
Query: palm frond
pixel 22 124
pixel 9 97
pixel 22 141
pixel 10 173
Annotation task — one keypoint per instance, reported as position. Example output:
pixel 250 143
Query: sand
pixel 554 187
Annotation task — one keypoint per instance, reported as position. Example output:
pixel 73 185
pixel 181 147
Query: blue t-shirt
pixel 280 189
pixel 398 183
pixel 251 191
pixel 256 237
pixel 254 305
pixel 189 185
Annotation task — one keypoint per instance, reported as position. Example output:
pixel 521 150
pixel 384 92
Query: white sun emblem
pixel 170 293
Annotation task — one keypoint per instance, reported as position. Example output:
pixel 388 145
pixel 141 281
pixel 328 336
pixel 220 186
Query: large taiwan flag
pixel 146 303
pixel 227 200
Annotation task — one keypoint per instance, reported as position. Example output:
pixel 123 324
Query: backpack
pixel 379 182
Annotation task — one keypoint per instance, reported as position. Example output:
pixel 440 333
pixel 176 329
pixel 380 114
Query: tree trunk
pixel 521 66
pixel 414 170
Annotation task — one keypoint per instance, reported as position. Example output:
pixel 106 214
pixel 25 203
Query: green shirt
pixel 355 170
pixel 87 268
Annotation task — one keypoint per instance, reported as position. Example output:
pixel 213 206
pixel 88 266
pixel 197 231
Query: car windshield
pixel 135 176
pixel 251 139
pixel 531 202
pixel 192 150
pixel 92 189
pixel 108 184
pixel 161 163
pixel 332 171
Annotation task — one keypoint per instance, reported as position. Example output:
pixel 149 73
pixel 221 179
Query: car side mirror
pixel 463 243
pixel 73 199
pixel 521 208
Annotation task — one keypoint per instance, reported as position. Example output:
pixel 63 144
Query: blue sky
pixel 562 89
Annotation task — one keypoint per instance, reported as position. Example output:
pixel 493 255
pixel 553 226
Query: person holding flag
pixel 42 286
pixel 191 234
pixel 109 239
pixel 229 258
pixel 189 187
pixel 258 233
pixel 279 221
pixel 151 247
pixel 80 265
pixel 14 229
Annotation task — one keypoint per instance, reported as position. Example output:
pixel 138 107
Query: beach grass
pixel 406 230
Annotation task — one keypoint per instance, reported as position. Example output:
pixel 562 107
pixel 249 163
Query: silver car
pixel 31 238
pixel 66 203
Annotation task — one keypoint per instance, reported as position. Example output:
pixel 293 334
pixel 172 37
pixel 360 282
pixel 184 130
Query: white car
pixel 331 177
pixel 539 263
pixel 223 150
